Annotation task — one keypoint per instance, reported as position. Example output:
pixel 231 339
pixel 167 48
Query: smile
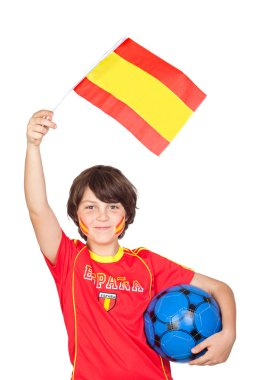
pixel 102 228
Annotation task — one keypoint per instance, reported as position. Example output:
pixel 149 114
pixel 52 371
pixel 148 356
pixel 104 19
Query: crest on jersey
pixel 108 300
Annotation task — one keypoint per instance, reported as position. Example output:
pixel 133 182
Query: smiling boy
pixel 104 288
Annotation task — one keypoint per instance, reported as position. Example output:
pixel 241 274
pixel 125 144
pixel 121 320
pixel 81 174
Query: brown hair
pixel 109 185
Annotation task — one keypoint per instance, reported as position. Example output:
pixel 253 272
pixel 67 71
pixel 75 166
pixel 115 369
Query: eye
pixel 89 207
pixel 114 207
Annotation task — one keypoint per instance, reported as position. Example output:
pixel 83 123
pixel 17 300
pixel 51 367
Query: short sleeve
pixel 61 268
pixel 167 273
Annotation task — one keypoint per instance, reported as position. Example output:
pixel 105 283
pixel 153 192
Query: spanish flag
pixel 147 95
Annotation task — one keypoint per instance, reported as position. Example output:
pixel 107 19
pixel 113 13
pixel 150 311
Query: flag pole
pixel 91 68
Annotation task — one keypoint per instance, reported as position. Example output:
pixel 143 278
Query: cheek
pixel 120 226
pixel 83 227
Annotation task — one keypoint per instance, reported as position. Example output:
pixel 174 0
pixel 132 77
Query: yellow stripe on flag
pixel 142 92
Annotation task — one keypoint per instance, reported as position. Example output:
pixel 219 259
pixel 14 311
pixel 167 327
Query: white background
pixel 195 200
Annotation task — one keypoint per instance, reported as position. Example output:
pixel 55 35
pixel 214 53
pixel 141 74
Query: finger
pixel 200 347
pixel 40 129
pixel 202 360
pixel 36 136
pixel 42 121
pixel 37 133
pixel 43 113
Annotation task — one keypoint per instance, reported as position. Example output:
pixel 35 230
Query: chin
pixel 103 240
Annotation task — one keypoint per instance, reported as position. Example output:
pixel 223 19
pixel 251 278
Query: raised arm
pixel 47 229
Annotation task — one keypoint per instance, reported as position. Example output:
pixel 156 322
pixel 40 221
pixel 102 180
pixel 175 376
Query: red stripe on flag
pixel 169 75
pixel 122 113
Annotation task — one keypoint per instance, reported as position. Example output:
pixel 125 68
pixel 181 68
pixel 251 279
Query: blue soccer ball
pixel 178 318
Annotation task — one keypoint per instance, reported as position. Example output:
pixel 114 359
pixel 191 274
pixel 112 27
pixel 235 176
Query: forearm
pixel 225 298
pixel 47 229
pixel 35 187
pixel 218 345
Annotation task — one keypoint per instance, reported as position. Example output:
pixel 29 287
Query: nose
pixel 102 214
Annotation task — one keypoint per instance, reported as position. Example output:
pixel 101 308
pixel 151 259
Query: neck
pixel 103 249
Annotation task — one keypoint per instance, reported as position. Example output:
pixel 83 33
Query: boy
pixel 104 289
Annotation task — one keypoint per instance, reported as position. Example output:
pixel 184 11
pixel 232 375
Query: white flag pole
pixel 103 57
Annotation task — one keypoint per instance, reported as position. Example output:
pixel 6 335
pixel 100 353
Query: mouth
pixel 102 228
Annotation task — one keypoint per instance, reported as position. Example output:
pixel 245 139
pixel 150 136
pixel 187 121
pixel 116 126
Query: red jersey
pixel 103 300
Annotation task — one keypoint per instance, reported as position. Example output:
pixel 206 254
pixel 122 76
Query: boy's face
pixel 101 222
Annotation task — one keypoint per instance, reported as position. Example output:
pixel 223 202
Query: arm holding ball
pixel 220 344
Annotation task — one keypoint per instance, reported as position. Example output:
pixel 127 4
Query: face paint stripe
pixel 83 227
pixel 121 221
pixel 120 227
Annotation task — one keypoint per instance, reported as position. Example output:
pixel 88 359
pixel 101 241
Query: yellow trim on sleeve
pixel 137 250
pixel 183 266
